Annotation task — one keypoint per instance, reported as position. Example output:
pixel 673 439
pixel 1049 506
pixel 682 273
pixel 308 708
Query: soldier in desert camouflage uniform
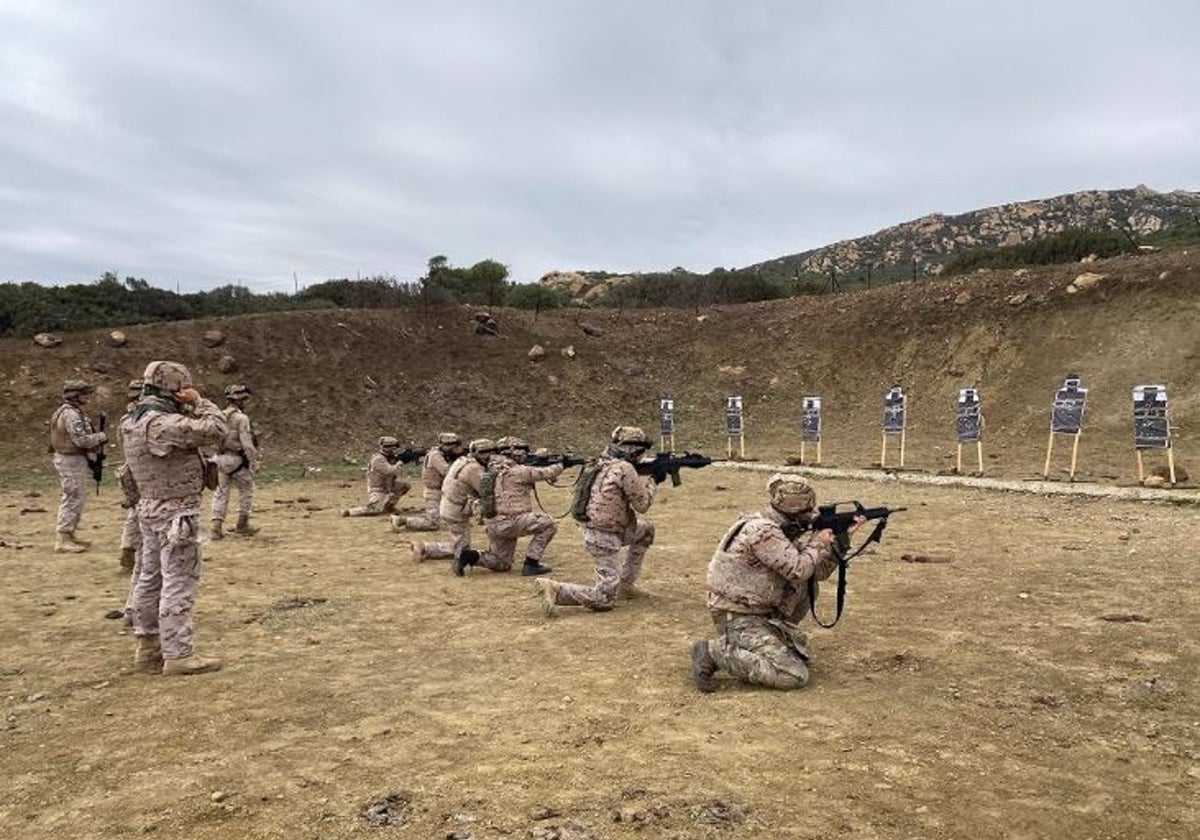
pixel 384 484
pixel 236 462
pixel 512 515
pixel 131 533
pixel 618 495
pixel 74 443
pixel 162 438
pixel 758 591
pixel 460 501
pixel 433 472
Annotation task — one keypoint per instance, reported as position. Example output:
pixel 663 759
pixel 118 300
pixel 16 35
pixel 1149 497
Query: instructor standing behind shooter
pixel 162 438
pixel 74 443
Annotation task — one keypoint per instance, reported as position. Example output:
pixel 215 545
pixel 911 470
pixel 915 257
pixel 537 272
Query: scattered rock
pixel 392 809
pixel 1020 272
pixel 591 329
pixel 36 696
pixel 1125 617
pixel 99 366
pixel 963 299
pixel 568 352
pixel 1154 481
pixel 482 323
pixel 700 319
pixel 116 338
pixel 47 340
pixel 212 338
pixel 112 615
pixel 227 364
pixel 720 812
pixel 1018 299
pixel 296 602
pixel 1164 275
pixel 1085 281
pixel 536 353
pixel 544 812
pixel 925 558
pixel 218 796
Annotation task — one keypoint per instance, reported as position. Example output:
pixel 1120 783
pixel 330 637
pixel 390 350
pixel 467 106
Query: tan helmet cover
pixel 135 388
pixel 237 392
pixel 75 388
pixel 791 493
pixel 449 439
pixel 388 442
pixel 482 446
pixel 511 443
pixel 631 435
pixel 168 376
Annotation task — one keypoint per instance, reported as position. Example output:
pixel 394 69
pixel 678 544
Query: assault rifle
pixel 408 455
pixel 839 521
pixel 668 464
pixel 543 460
pixel 96 462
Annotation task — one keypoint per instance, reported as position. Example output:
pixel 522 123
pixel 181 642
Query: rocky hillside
pixel 328 382
pixel 931 239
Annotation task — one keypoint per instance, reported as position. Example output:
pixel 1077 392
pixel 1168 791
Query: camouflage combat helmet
pixel 74 388
pixel 791 493
pixel 167 377
pixel 508 443
pixel 448 439
pixel 482 446
pixel 237 392
pixel 134 389
pixel 630 436
pixel 388 442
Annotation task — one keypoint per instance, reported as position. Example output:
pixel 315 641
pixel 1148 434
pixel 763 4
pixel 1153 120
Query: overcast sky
pixel 216 141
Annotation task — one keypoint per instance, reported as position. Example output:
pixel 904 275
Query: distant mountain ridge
pixel 932 239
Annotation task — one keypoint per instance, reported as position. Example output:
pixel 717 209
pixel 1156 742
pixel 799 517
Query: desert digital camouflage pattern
pixel 384 487
pixel 460 497
pixel 236 460
pixel 515 517
pixel 72 439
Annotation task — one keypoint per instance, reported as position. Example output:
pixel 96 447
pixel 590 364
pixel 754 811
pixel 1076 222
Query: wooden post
pixel 979 452
pixel 1074 453
pixel 819 459
pixel 729 447
pixel 1049 449
pixel 958 462
pixel 883 453
pixel 1141 467
pixel 742 446
pixel 1171 464
pixel 903 435
pixel 801 450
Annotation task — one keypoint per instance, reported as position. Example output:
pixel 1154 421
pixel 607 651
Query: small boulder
pixel 116 338
pixel 212 338
pixel 47 340
pixel 568 352
pixel 536 353
pixel 963 299
pixel 227 364
pixel 1085 281
pixel 590 329
pixel 1154 481
pixel 1018 299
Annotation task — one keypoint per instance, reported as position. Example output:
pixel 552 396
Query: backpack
pixel 487 494
pixel 581 494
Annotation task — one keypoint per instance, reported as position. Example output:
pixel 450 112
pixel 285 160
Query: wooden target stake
pixel 1074 453
pixel 903 436
pixel 958 461
pixel 1049 450
pixel 883 452
pixel 979 452
pixel 1141 466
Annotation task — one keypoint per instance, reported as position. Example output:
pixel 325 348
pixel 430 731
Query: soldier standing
pixel 433 472
pixel 162 439
pixel 460 499
pixel 131 534
pixel 236 462
pixel 511 515
pixel 384 484
pixel 618 495
pixel 74 443
pixel 758 591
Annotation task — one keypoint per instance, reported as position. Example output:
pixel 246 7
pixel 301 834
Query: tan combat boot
pixel 128 557
pixel 244 527
pixel 189 665
pixel 65 542
pixel 397 523
pixel 418 552
pixel 631 592
pixel 703 667
pixel 546 591
pixel 217 530
pixel 147 657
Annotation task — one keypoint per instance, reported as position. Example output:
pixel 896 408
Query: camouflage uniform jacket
pixel 383 476
pixel 71 432
pixel 434 469
pixel 239 439
pixel 759 571
pixel 619 494
pixel 513 488
pixel 162 449
pixel 461 486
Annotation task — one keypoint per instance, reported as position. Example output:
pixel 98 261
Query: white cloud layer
pixel 204 143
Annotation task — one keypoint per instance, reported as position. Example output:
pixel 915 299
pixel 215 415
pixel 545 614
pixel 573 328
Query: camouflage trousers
pixel 131 531
pixel 460 538
pixel 136 571
pixel 604 546
pixel 760 650
pixel 377 505
pixel 243 481
pixel 167 582
pixel 73 473
pixel 431 519
pixel 503 533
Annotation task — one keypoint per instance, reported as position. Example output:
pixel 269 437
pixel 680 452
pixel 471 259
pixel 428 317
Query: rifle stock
pixel 96 462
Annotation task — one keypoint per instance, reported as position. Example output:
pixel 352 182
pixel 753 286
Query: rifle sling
pixel 843 563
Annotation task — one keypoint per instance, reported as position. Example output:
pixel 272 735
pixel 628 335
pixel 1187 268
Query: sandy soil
pixel 1041 683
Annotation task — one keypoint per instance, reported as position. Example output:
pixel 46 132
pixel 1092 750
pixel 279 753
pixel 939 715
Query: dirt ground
pixel 1041 683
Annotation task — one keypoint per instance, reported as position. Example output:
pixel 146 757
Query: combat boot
pixel 703 667
pixel 244 527
pixel 65 542
pixel 128 557
pixel 147 656
pixel 418 551
pixel 631 592
pixel 534 567
pixel 466 558
pixel 546 591
pixel 189 665
pixel 397 523
pixel 217 531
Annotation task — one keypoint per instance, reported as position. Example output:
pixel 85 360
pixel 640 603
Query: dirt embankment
pixel 328 383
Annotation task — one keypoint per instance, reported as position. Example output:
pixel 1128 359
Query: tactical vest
pixel 233 440
pixel 60 436
pixel 177 475
pixel 454 489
